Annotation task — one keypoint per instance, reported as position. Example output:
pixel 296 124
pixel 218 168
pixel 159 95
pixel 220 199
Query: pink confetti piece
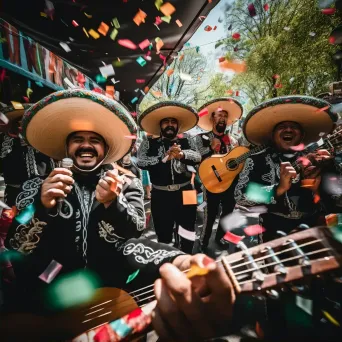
pixel 230 237
pixel 304 161
pixel 298 148
pixel 254 230
pixel 266 7
pixel 178 22
pixel 323 109
pixel 131 137
pixel 127 44
pixel 74 23
pixel 140 81
pixel 158 21
pixel 203 112
pixel 329 11
pixel 51 272
pixel 144 44
pixel 162 57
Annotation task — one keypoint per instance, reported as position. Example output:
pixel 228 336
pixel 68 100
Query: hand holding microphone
pixel 57 185
pixel 175 151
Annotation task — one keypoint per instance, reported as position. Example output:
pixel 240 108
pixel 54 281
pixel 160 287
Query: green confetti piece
pixel 258 193
pixel 158 3
pixel 100 79
pixel 166 18
pixel 114 34
pixel 26 214
pixel 118 64
pixel 134 100
pixel 141 61
pixel 337 233
pixel 115 22
pixel 10 256
pixel 132 276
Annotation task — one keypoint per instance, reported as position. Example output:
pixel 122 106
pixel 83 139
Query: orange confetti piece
pixel 237 66
pixel 181 57
pixel 259 331
pixel 331 220
pixel 103 28
pixel 308 183
pixel 110 90
pixel 316 198
pixel 323 109
pixel 94 34
pixel 178 22
pixel 195 270
pixel 17 105
pixel 170 72
pixel 167 9
pixel 140 17
pixel 114 187
pixel 146 90
pixel 159 45
pixel 156 93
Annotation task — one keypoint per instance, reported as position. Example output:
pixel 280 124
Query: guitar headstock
pixel 334 140
pixel 283 261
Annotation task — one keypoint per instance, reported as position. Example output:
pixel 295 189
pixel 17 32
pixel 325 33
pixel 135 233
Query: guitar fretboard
pixel 244 156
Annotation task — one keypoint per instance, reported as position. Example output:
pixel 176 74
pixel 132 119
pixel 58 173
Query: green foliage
pixel 289 40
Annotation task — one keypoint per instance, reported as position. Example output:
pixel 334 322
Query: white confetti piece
pixel 51 272
pixel 107 70
pixel 185 77
pixel 287 28
pixel 69 83
pixel 65 46
pixel 232 221
pixel 312 34
pixel 3 118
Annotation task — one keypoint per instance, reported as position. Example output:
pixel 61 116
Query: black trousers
pixel 167 209
pixel 214 201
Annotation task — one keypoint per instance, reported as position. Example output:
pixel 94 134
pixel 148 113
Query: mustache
pixel 85 150
pixel 169 128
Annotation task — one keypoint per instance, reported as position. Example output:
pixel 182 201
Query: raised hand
pixel 287 173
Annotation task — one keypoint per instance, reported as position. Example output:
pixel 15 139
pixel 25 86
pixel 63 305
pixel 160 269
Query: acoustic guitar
pixel 260 270
pixel 218 172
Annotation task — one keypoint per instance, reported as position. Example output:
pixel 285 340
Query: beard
pixel 167 134
pixel 220 127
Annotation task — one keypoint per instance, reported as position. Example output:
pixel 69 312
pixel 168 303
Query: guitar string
pixel 137 294
pixel 325 144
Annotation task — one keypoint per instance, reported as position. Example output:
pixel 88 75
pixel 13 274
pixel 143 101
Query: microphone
pixel 66 163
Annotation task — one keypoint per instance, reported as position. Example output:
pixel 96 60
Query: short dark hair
pixel 73 133
pixel 213 113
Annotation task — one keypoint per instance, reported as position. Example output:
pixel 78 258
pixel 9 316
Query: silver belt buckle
pixel 173 187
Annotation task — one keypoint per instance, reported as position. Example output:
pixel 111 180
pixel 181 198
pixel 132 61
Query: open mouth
pixel 86 155
pixel 287 137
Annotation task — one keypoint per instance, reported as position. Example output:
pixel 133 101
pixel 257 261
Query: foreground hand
pixel 215 144
pixel 193 309
pixel 109 187
pixel 287 173
pixel 57 185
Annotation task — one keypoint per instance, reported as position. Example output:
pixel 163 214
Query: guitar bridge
pixel 216 173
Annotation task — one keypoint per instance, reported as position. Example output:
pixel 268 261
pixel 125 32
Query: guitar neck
pixel 246 155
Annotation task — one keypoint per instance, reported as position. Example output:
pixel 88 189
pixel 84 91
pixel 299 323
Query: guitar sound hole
pixel 232 164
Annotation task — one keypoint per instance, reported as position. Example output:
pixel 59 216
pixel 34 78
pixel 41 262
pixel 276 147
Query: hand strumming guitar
pixel 192 309
pixel 287 173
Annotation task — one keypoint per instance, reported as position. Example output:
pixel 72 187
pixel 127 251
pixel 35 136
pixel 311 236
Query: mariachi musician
pixel 221 113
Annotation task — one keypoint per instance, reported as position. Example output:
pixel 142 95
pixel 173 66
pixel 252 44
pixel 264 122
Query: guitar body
pixel 106 305
pixel 218 172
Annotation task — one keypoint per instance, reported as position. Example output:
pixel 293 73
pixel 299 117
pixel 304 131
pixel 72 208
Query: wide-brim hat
pixel 228 104
pixel 149 120
pixel 13 113
pixel 48 123
pixel 312 114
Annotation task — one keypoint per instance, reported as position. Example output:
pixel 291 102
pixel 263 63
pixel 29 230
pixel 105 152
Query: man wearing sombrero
pixel 97 225
pixel 286 125
pixel 168 159
pixel 216 116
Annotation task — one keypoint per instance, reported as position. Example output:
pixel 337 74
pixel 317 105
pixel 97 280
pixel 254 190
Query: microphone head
pixel 67 163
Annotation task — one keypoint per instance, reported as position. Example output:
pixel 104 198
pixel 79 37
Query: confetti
pixel 114 34
pixel 258 193
pixel 17 105
pixel 230 237
pixel 144 44
pixel 251 10
pixel 196 270
pixel 304 161
pixel 236 66
pixel 85 31
pixel 26 214
pixel 42 14
pixel 141 61
pixel 74 23
pixel 297 148
pixel 331 318
pixel 50 272
pixel 140 17
pixel 167 9
pixel 312 34
pixel 130 137
pixel 233 221
pixel 110 90
pixel 100 79
pixel 286 28
pixel 134 100
pixel 94 34
pixel 146 90
pixel 158 3
pixel 39 84
pixel 103 28
pixel 132 276
pixel 89 16
pixel 166 19
pixel 202 17
pixel 323 109
pixel 127 44
pixel 178 22
pixel 236 36
pixel 329 11
pixel 203 112
pixel 208 28
pixel 266 7
pixel 316 198
pixel 156 93
pixel 65 46
pixel 3 121
pixel 169 72
pixel 331 220
pixel 159 44
pixel 69 83
pixel 115 22
pixel 158 21
pixel 107 70
pixel 140 81
pixel 254 230
pixel 185 77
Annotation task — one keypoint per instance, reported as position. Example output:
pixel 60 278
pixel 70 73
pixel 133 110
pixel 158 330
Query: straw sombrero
pixel 12 113
pixel 314 116
pixel 149 121
pixel 230 105
pixel 47 124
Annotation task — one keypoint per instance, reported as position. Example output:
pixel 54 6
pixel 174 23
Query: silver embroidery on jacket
pixel 30 190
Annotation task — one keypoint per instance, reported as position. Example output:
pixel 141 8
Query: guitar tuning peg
pixel 281 233
pixel 298 288
pixel 273 294
pixel 303 226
